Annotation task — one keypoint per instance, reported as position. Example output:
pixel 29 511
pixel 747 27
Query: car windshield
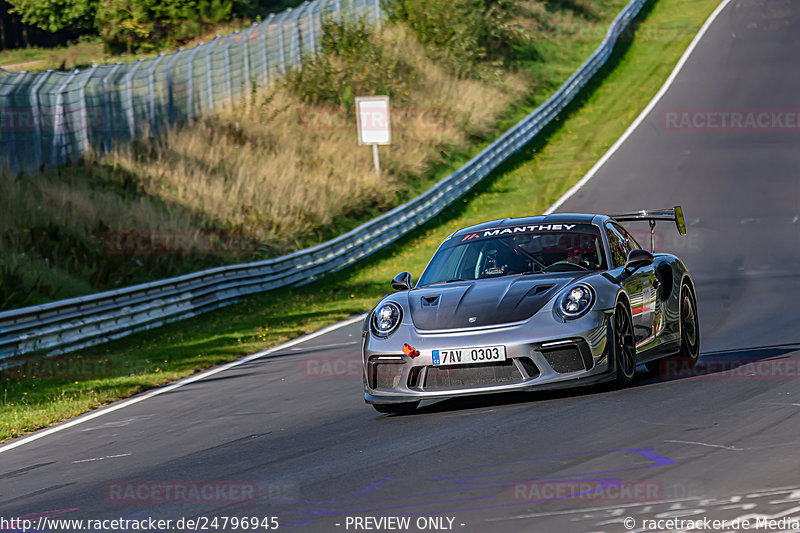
pixel 515 251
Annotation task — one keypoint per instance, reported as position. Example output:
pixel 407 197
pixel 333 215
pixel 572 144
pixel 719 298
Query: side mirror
pixel 638 259
pixel 402 282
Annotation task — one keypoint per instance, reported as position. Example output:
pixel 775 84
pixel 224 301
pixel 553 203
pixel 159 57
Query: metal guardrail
pixel 68 325
pixel 48 117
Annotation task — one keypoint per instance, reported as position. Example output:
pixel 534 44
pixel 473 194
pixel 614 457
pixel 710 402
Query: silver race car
pixel 529 304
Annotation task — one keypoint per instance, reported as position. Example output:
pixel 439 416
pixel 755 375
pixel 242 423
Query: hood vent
pixel 430 301
pixel 540 289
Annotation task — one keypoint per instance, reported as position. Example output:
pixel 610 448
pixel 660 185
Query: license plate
pixel 469 356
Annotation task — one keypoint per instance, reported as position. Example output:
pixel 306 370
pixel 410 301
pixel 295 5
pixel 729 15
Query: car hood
pixel 484 302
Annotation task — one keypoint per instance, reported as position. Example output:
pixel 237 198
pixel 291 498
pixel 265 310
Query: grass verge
pixel 526 185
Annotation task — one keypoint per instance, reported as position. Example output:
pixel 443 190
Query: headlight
pixel 386 318
pixel 576 301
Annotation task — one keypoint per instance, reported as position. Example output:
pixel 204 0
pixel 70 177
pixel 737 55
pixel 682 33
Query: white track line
pixel 664 88
pixel 732 448
pixel 197 377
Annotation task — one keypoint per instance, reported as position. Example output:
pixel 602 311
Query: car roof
pixel 556 218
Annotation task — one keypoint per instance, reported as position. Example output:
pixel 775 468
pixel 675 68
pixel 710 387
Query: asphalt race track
pixel 278 436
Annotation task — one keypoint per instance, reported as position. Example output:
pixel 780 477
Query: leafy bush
pixel 56 15
pixel 465 34
pixel 146 25
pixel 128 25
pixel 352 60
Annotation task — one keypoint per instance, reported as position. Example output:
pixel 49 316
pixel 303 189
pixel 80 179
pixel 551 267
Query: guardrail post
pixel 35 111
pixel 246 59
pixel 84 136
pixel 312 37
pixel 107 105
pixel 129 94
pixel 209 87
pixel 10 136
pixel 150 93
pixel 280 43
pixel 226 55
pixel 296 39
pixel 10 123
pixel 263 38
pixel 170 87
pixel 190 85
pixel 59 120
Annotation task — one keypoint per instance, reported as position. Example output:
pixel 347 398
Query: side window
pixel 467 266
pixel 627 241
pixel 618 246
pixel 449 262
pixel 632 243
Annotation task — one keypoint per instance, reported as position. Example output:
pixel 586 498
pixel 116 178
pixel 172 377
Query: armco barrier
pixel 71 324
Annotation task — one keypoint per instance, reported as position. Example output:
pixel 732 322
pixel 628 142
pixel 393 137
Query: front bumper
pixel 561 355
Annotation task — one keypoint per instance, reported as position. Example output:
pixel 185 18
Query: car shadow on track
pixel 760 362
pixel 481 401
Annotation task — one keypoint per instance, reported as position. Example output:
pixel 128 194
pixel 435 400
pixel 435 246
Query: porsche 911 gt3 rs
pixel 528 304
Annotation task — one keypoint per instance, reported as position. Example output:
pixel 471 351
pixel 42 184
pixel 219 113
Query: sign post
pixel 374 127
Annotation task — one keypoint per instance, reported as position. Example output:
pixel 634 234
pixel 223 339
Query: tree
pixel 147 24
pixel 55 15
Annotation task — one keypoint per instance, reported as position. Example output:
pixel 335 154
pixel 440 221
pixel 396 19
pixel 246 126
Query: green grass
pixel 526 185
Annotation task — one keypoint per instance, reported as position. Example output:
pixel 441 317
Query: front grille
pixel 384 375
pixel 569 358
pixel 531 369
pixel 414 377
pixel 461 376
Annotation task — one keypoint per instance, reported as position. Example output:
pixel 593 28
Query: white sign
pixel 372 113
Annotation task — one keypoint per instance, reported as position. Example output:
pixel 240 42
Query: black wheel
pixel 686 359
pixel 690 326
pixel 623 345
pixel 405 408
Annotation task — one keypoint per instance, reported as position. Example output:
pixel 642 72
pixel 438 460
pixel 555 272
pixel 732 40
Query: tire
pixel 623 345
pixel 690 326
pixel 405 408
pixel 687 358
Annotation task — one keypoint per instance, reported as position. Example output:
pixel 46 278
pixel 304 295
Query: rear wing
pixel 675 214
